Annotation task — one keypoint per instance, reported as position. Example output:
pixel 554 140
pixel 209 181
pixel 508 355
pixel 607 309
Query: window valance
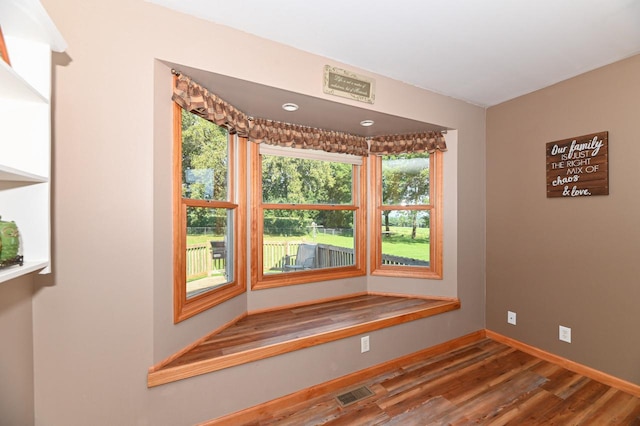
pixel 416 142
pixel 295 136
pixel 198 100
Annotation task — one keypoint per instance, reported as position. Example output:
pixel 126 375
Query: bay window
pixel 308 202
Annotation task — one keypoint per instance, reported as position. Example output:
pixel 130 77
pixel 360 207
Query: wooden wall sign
pixel 578 167
pixel 346 84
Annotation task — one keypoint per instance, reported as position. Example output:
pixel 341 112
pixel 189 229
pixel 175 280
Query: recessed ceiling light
pixel 289 106
pixel 366 123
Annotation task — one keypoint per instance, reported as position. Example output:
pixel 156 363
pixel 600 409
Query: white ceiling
pixel 481 51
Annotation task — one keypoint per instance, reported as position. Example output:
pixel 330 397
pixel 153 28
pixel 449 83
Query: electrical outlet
pixel 364 344
pixel 565 334
pixel 511 317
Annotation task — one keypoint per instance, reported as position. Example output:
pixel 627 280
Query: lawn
pixel 203 238
pixel 400 243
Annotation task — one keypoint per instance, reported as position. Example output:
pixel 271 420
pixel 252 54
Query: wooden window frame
pixel 434 270
pixel 184 307
pixel 258 279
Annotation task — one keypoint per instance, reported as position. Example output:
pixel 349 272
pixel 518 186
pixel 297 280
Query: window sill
pixel 406 272
pixel 304 277
pixel 292 331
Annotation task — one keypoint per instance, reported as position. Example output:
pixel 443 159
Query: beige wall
pixel 16 352
pixel 558 261
pixel 104 316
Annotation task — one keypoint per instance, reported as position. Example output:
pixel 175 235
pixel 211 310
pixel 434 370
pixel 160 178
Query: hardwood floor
pixel 485 383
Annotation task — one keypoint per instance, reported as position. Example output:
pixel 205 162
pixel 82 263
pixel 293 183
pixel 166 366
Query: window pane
pixel 405 237
pixel 302 181
pixel 209 251
pixel 301 240
pixel 205 155
pixel 405 179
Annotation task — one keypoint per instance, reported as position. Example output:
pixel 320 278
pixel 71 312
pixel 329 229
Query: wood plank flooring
pixel 485 383
pixel 271 333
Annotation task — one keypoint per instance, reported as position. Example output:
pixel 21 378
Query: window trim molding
pixel 310 154
pixel 258 280
pixel 184 308
pixel 435 270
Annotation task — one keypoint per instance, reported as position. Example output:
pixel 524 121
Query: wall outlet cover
pixel 564 334
pixel 511 317
pixel 364 344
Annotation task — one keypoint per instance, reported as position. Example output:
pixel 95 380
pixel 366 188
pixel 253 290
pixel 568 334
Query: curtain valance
pixel 295 136
pixel 198 100
pixel 416 142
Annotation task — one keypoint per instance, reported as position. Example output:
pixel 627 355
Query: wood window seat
pixel 264 334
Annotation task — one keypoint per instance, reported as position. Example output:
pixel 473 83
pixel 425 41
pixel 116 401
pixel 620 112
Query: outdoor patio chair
pixel 305 258
pixel 218 254
pixel 218 250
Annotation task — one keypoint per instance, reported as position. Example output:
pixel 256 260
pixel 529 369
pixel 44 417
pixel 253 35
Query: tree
pixel 339 190
pixel 302 181
pixel 283 182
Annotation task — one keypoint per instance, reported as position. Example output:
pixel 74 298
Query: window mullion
pixel 210 204
pixel 272 206
pixel 407 207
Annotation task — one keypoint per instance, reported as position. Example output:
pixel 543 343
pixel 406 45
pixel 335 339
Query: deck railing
pixel 332 256
pixel 388 259
pixel 276 253
pixel 200 261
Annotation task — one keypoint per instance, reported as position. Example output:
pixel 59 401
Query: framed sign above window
pixel 339 82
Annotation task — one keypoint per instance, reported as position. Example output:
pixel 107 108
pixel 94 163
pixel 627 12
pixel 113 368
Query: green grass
pixel 199 239
pixel 399 243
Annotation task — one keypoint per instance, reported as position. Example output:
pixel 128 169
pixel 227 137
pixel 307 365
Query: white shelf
pixel 29 20
pixel 16 88
pixel 25 130
pixel 12 272
pixel 9 174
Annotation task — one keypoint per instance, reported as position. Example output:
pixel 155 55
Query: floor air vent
pixel 354 395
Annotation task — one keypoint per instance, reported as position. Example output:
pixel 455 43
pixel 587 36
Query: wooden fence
pixel 275 253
